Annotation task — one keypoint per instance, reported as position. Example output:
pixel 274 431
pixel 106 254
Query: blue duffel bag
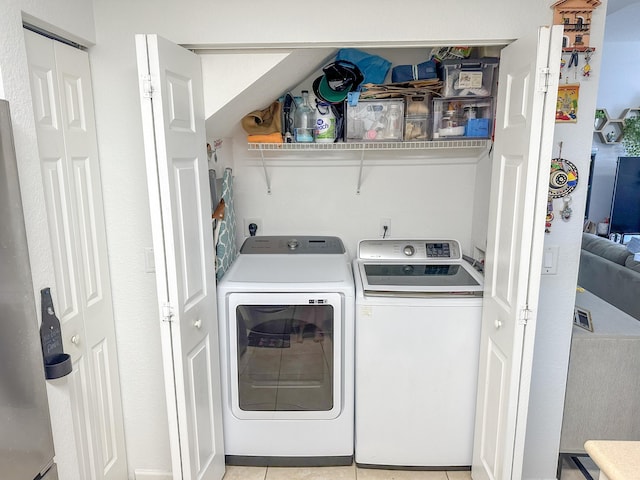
pixel 421 71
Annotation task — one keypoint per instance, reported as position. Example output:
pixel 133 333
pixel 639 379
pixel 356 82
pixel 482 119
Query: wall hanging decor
pixel 563 179
pixel 575 16
pixel 567 103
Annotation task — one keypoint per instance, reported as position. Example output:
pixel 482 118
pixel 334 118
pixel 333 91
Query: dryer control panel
pixel 416 250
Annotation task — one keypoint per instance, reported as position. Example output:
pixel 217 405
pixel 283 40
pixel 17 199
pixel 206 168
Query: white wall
pixel 73 19
pixel 330 191
pixel 619 89
pixel 316 195
pixel 557 292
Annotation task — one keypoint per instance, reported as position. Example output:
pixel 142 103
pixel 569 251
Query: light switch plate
pixel 149 261
pixel 550 260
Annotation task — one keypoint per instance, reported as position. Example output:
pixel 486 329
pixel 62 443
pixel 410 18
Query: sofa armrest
pixel 615 284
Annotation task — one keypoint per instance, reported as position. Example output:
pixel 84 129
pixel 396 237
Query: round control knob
pixel 293 244
pixel 407 269
pixel 409 250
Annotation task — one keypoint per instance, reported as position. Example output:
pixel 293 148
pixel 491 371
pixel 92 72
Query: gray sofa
pixel 601 400
pixel 608 270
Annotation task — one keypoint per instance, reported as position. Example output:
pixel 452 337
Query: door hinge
pixel 147 87
pixel 544 77
pixel 525 315
pixel 167 312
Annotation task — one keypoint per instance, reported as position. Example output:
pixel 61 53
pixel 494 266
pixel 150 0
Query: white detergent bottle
pixel 325 126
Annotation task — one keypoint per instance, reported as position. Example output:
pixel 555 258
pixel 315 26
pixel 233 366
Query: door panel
pixel 509 207
pixel 202 406
pixel 88 235
pixel 81 413
pixel 62 243
pixel 105 410
pixel 65 125
pixel 522 152
pixel 77 119
pixel 189 211
pixel 177 175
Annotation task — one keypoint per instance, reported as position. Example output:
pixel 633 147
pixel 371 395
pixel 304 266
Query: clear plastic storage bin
pixel 469 77
pixel 418 118
pixel 375 120
pixel 462 118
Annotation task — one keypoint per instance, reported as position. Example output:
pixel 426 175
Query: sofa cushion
pixel 605 248
pixel 632 264
pixel 614 283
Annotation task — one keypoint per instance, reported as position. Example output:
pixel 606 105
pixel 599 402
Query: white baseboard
pixel 152 475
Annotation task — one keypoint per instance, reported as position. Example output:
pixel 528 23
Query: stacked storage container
pixel 466 109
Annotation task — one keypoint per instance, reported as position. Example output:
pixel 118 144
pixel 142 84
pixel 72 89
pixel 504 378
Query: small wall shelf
pixel 610 130
pixel 444 148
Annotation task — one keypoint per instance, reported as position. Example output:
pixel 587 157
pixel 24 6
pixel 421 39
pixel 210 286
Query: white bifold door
pixel 60 80
pixel 177 173
pixel 525 120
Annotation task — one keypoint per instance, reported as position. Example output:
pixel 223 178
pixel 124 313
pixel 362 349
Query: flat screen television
pixel 625 207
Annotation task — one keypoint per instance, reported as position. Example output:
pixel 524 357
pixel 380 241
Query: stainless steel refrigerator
pixel 26 442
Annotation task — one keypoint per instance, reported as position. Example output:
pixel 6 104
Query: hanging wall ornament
pixel 575 15
pixel 563 179
pixel 566 211
pixel 549 218
pixel 564 176
pixel 567 103
pixel 586 70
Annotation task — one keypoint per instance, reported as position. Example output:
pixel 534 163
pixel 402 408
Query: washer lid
pixel 416 266
pixel 419 277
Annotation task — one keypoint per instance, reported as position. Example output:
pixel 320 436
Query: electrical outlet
pixel 249 221
pixel 385 227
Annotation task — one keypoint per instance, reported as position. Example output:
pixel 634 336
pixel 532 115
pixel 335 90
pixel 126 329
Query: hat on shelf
pixel 338 79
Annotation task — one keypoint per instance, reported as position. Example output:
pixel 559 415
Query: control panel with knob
pixel 433 251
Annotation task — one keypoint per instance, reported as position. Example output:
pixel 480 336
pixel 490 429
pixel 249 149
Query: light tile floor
pixel 337 473
pixel 569 472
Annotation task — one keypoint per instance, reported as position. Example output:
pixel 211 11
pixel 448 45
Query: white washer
pixel 286 312
pixel 418 312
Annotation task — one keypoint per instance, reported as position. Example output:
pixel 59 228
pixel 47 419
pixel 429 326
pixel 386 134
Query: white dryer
pixel 418 312
pixel 286 312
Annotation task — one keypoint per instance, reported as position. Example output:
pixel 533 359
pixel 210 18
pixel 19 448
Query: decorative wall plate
pixel 563 179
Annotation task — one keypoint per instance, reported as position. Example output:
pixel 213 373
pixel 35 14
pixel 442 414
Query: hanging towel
pixel 212 188
pixel 226 250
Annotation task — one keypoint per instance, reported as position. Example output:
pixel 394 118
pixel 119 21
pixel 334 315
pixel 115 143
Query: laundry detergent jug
pixel 325 126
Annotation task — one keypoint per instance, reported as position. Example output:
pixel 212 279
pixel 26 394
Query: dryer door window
pixel 285 356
